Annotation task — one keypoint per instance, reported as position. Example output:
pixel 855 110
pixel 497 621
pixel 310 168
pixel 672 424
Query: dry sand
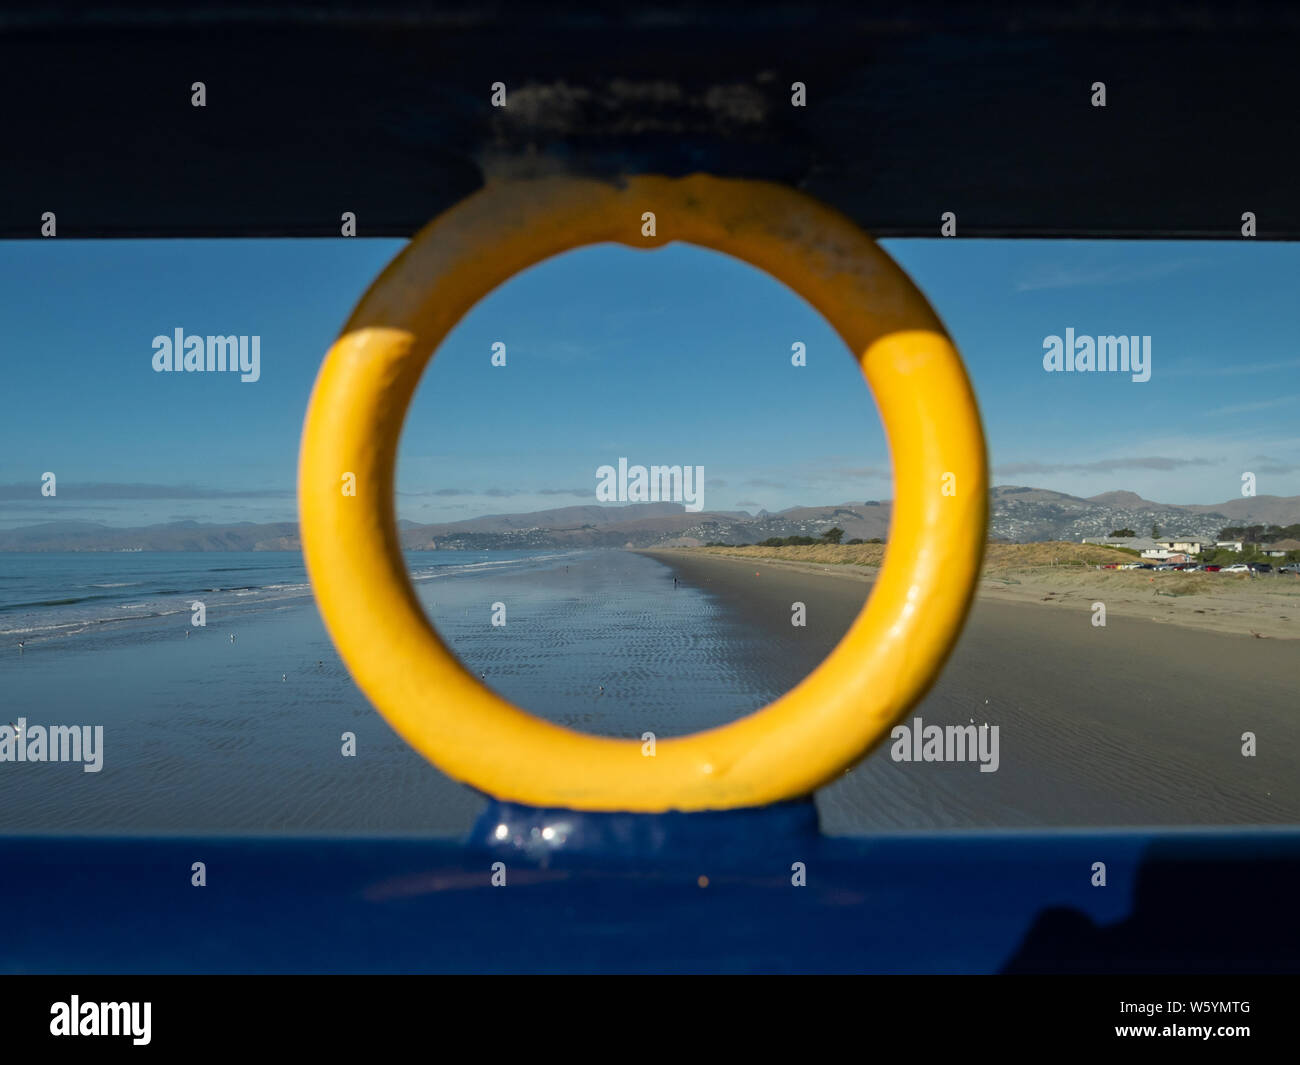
pixel 1063 576
pixel 1131 724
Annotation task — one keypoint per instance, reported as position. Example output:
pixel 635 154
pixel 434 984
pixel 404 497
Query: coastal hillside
pixel 1017 515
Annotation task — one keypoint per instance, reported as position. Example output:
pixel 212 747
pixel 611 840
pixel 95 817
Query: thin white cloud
pixel 76 491
pixel 1119 274
pixel 1011 469
pixel 861 471
pixel 1262 404
pixel 1226 452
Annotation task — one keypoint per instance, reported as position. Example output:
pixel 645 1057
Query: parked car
pixel 1237 567
pixel 1293 567
pixel 1213 569
pixel 1145 565
pixel 1261 567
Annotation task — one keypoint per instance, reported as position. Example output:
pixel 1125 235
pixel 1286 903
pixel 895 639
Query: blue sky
pixel 674 356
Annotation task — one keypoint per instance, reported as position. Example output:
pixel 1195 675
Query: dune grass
pixel 998 557
pixel 1068 565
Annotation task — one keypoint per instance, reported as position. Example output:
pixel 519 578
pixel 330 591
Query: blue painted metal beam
pixel 624 893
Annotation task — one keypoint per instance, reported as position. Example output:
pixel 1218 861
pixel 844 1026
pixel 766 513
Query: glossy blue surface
pixel 624 894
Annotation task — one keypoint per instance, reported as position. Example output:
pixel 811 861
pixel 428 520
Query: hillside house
pixel 1183 546
pixel 1279 548
pixel 1133 543
pixel 1188 545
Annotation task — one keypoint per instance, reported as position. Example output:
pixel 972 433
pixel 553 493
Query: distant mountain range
pixel 1018 514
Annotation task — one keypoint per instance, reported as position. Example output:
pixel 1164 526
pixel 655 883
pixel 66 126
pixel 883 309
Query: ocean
pixel 206 734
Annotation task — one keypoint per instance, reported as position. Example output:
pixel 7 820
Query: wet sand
pixel 1136 723
pixel 207 734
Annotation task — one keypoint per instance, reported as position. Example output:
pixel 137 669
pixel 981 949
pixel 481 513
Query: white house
pixel 1230 545
pixel 1279 548
pixel 1187 545
pixel 1135 543
pixel 1182 547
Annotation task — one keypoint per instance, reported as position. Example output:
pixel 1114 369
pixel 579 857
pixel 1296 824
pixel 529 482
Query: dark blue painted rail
pixel 620 893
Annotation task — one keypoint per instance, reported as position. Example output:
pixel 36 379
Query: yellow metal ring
pixel 885 662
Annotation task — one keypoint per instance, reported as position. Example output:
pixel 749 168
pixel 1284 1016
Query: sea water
pixel 239 725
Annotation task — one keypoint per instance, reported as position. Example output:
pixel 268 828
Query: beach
pixel 1136 723
pixel 239 725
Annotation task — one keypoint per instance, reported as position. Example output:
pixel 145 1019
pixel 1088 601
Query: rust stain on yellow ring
pixel 882 666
